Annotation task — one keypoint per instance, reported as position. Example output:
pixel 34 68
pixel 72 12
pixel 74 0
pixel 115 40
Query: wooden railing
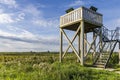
pixel 92 16
pixel 71 17
pixel 81 14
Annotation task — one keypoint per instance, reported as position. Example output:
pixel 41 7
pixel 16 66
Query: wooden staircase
pixel 109 44
pixel 105 56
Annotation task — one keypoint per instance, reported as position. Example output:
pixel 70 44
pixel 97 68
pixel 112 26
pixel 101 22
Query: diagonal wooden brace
pixel 91 45
pixel 70 43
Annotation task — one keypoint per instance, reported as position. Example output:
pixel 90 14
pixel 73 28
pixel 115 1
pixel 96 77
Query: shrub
pixel 114 60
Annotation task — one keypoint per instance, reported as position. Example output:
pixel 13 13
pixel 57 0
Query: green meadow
pixel 46 66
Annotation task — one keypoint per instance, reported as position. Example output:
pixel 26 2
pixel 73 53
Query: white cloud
pixel 33 10
pixel 10 3
pixel 46 23
pixel 11 46
pixel 37 17
pixel 27 35
pixel 17 39
pixel 3 33
pixel 21 16
pixel 76 3
pixel 15 32
pixel 6 18
pixel 23 35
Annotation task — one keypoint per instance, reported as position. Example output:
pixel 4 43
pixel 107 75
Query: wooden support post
pixel 78 45
pixel 85 44
pixel 94 45
pixel 82 43
pixel 100 38
pixel 61 45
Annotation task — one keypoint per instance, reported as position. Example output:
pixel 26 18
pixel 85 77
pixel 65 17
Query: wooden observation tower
pixel 83 21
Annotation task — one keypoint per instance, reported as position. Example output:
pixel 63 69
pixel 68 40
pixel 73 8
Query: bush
pixel 114 60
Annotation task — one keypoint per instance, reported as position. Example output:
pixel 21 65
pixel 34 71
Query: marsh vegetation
pixel 45 66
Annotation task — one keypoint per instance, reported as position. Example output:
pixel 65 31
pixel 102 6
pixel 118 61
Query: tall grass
pixel 47 67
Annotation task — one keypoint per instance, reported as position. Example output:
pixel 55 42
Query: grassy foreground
pixel 47 67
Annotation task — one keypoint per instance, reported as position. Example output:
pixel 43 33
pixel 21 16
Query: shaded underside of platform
pixel 88 27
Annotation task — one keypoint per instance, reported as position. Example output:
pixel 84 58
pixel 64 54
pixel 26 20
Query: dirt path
pixel 108 69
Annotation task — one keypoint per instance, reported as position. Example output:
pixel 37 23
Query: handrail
pixel 110 54
pixel 70 17
pixel 81 13
pixel 111 36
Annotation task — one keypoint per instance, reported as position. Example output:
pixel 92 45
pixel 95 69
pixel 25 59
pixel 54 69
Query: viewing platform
pixel 101 44
pixel 71 20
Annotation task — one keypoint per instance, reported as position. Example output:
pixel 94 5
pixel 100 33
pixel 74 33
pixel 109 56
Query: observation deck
pixel 71 20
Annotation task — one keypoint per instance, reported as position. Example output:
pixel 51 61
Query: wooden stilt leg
pixel 61 46
pixel 78 46
pixel 82 43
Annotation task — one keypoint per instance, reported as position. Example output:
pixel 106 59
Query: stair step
pixel 103 58
pixel 101 66
pixel 105 53
pixel 102 61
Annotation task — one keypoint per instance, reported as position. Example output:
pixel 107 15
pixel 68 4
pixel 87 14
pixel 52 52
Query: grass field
pixel 45 66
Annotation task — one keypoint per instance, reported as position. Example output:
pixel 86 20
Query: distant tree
pixel 48 51
pixel 31 51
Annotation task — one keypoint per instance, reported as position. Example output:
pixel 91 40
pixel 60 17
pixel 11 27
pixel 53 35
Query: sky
pixel 33 25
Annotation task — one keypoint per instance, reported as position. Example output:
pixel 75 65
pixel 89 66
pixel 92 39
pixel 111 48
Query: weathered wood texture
pixel 74 17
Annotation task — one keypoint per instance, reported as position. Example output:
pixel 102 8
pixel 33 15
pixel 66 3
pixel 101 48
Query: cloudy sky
pixel 33 25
